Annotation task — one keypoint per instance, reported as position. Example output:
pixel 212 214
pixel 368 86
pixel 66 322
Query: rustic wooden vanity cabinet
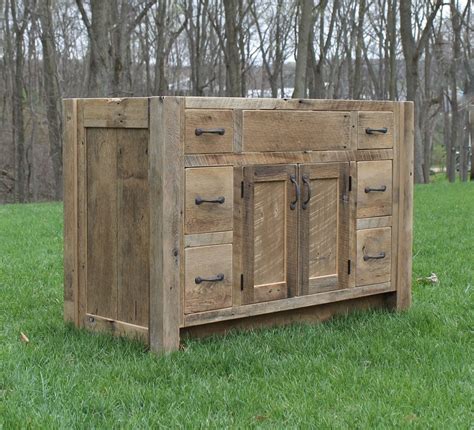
pixel 190 216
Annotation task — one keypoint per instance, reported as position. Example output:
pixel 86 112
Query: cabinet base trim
pixel 286 304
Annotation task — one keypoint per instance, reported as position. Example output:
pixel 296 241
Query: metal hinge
pixel 348 267
pixel 241 282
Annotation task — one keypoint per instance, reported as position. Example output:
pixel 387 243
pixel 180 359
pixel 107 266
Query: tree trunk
pixel 234 86
pixel 53 95
pixel 306 18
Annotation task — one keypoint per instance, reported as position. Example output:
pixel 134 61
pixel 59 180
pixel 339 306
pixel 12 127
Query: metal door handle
pixel 219 131
pixel 369 189
pixel 382 130
pixel 306 182
pixel 297 191
pixel 199 200
pixel 219 277
pixel 374 257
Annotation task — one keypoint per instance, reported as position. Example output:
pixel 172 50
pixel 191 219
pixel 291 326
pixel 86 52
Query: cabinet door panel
pixel 324 227
pixel 269 236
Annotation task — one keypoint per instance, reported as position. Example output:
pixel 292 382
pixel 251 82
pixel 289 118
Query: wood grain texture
pixel 268 131
pixel 269 231
pixel 374 242
pixel 116 328
pixel 374 174
pixel 133 226
pixel 375 120
pixel 405 217
pixel 207 262
pixel 311 314
pixel 380 221
pixel 276 306
pixel 209 183
pixel 208 119
pixel 116 113
pixel 374 154
pixel 324 227
pixel 166 176
pixel 203 239
pixel 238 160
pixel 70 211
pixel 285 104
pixel 102 225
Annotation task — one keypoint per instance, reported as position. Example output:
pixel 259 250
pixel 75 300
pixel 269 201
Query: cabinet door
pixel 269 233
pixel 324 227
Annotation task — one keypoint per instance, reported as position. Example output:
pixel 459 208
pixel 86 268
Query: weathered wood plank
pixel 405 217
pixel 289 104
pixel 207 119
pixel 377 121
pixel 102 228
pixel 380 221
pixel 166 176
pixel 116 113
pixel 70 211
pixel 311 314
pixel 203 239
pixel 116 328
pixel 208 262
pixel 290 157
pixel 270 131
pixel 132 226
pixel 286 304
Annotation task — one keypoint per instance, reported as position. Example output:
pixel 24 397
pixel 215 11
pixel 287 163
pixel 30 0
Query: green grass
pixel 373 369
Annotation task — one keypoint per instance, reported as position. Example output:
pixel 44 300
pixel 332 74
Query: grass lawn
pixel 373 369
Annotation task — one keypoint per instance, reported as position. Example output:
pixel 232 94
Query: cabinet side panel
pixel 133 226
pixel 405 221
pixel 102 222
pixel 70 210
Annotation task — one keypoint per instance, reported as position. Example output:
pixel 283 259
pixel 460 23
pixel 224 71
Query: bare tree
pixel 52 94
pixel 304 29
pixel 412 50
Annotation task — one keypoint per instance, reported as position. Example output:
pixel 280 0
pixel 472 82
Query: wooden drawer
pixel 207 262
pixel 374 188
pixel 209 183
pixel 375 130
pixel 374 256
pixel 295 131
pixel 202 126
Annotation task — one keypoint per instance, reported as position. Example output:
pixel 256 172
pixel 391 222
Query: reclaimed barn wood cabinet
pixel 187 216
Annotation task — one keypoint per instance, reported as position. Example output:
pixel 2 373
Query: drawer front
pixel 208 278
pixel 295 131
pixel 374 188
pixel 375 130
pixel 373 256
pixel 208 131
pixel 209 199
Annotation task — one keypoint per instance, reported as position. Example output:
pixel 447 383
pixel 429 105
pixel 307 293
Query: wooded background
pixel 416 50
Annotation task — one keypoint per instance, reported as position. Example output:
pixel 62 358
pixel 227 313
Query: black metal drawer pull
pixel 374 257
pixel 306 182
pixel 297 191
pixel 199 200
pixel 382 130
pixel 381 189
pixel 219 131
pixel 219 277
